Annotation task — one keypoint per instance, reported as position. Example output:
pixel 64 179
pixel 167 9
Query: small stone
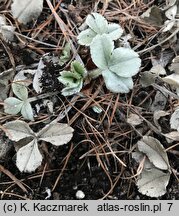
pixel 80 194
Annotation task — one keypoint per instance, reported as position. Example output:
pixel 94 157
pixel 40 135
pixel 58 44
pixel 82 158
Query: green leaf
pixel 72 80
pixel 124 62
pixel 65 56
pixel 20 91
pixel 117 84
pixel 85 37
pixel 114 31
pixel 12 105
pixel 27 111
pixel 101 49
pixel 97 23
pixel 77 68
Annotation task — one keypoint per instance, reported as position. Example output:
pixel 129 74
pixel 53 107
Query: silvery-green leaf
pixel 153 183
pixel 17 130
pixel 26 10
pixel 28 157
pixel 174 120
pixel 20 91
pixel 12 105
pixel 114 31
pixel 124 62
pixel 67 91
pixel 27 111
pixel 57 133
pixel 116 83
pixel 85 37
pixel 101 49
pixel 154 151
pixel 97 23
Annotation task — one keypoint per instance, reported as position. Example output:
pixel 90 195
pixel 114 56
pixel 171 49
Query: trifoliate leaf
pixel 124 62
pixel 12 105
pixel 27 111
pixel 97 23
pixel 116 83
pixel 153 183
pixel 26 10
pixel 17 130
pixel 28 157
pixel 154 151
pixel 117 65
pixel 57 134
pixel 28 154
pixel 174 120
pixel 20 91
pixel 101 49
